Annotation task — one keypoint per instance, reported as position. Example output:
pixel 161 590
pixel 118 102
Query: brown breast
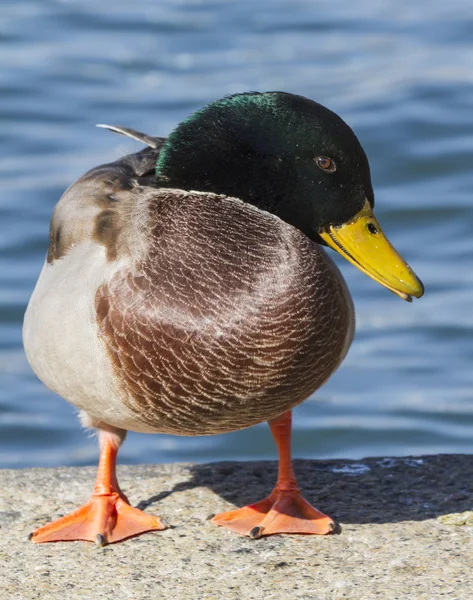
pixel 231 318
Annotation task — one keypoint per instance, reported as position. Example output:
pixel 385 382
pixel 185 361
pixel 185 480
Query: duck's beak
pixel 362 242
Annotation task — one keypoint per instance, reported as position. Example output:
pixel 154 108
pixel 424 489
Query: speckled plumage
pixel 231 317
pixel 221 315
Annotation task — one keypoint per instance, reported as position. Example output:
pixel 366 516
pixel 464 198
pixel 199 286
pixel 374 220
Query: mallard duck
pixel 187 291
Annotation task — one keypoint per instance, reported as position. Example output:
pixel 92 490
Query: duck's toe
pixel 104 519
pixel 281 512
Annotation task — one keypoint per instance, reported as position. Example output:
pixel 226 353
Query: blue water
pixel 401 77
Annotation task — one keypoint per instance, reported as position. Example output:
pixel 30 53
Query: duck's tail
pixel 131 133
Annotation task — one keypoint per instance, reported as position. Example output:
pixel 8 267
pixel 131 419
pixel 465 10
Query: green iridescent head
pixel 282 152
pixel 296 159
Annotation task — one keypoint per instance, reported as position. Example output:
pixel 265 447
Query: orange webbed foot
pixel 104 519
pixel 284 511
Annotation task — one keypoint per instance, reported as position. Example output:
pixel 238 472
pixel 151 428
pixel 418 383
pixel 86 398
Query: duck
pixel 188 290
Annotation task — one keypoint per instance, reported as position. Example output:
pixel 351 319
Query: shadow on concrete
pixel 379 490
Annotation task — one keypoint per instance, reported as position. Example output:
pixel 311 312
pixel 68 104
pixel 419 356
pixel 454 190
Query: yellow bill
pixel 362 242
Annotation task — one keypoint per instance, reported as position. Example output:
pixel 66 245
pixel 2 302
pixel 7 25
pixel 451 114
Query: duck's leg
pixel 284 510
pixel 107 517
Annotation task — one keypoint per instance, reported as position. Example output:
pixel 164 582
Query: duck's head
pixel 296 159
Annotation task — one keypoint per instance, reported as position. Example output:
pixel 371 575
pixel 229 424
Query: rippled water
pixel 403 79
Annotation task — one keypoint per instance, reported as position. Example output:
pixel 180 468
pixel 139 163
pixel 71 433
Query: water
pixel 403 79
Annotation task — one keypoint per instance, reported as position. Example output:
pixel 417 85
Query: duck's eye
pixel 326 164
pixel 372 228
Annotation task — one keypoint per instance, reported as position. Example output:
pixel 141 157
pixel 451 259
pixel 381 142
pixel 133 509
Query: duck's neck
pixel 221 160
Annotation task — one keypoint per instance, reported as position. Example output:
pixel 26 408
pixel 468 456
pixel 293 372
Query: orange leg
pixel 107 517
pixel 284 510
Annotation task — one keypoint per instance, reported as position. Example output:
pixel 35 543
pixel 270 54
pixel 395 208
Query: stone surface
pixel 400 537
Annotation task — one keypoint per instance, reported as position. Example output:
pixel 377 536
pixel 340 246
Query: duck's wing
pixel 98 204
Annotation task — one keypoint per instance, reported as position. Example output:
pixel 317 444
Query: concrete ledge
pixel 406 534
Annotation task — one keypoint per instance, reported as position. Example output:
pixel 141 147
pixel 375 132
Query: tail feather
pixel 131 133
